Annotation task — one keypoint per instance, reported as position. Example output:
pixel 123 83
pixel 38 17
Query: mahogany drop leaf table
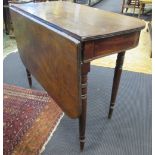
pixel 58 40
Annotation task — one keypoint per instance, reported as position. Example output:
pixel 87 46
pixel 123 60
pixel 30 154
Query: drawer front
pixel 107 46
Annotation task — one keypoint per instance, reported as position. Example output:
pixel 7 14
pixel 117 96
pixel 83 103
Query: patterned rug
pixel 25 124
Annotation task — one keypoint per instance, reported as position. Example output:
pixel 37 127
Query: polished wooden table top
pixel 81 22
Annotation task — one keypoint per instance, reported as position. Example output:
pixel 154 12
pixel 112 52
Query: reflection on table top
pixel 81 21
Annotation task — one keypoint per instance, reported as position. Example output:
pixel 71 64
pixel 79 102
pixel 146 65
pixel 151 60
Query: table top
pixel 80 21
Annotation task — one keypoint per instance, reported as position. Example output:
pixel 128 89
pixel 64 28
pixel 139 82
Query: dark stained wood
pixel 6 17
pixel 29 77
pixel 82 119
pixel 57 41
pixel 116 80
pixel 79 21
pixel 107 46
pixel 53 58
pixel 88 51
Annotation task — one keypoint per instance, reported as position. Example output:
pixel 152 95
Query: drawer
pixel 107 46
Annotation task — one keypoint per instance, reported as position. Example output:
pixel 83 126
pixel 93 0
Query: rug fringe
pixel 51 134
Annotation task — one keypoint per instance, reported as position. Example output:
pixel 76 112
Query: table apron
pixel 107 46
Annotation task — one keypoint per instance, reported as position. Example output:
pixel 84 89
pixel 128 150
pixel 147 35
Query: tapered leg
pixel 123 6
pixel 82 118
pixel 116 80
pixel 29 77
pixel 7 19
pixel 140 9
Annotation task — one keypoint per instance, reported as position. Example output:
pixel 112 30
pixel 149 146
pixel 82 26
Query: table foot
pixel 29 77
pixel 82 118
pixel 82 142
pixel 110 111
pixel 116 80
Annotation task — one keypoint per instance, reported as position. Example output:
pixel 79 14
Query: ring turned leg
pixel 82 118
pixel 116 80
pixel 29 77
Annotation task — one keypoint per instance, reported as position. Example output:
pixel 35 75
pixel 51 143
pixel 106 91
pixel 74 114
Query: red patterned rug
pixel 29 117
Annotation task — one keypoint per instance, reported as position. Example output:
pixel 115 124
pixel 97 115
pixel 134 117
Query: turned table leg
pixel 29 77
pixel 82 118
pixel 7 18
pixel 116 80
pixel 123 6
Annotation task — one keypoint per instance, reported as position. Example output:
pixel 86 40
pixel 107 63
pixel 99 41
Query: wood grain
pixel 81 22
pixel 53 58
pixel 108 46
pixel 57 41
